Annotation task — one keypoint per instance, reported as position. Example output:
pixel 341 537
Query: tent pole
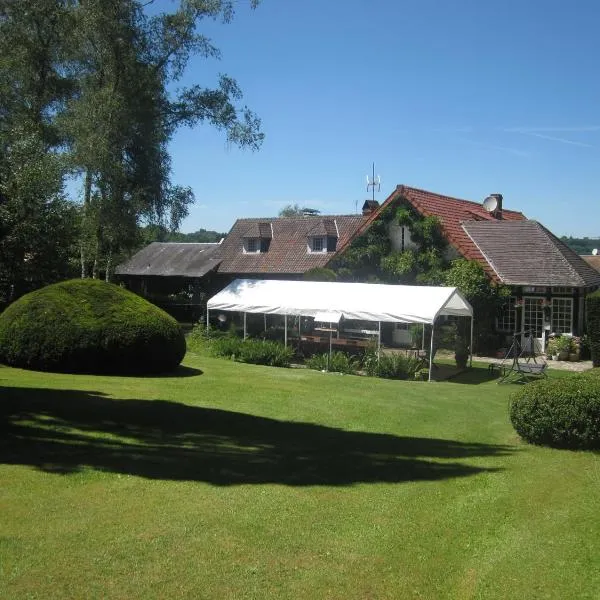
pixel 378 339
pixel 330 334
pixel 207 319
pixel 285 331
pixel 431 350
pixel 423 338
pixel 471 346
pixel 265 320
pixel 245 331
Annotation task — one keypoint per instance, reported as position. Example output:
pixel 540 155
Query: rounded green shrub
pixel 89 326
pixel 563 413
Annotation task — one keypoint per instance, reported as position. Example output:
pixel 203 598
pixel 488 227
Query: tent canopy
pixel 362 301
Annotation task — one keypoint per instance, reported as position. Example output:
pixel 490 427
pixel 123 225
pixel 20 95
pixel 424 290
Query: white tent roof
pixel 364 301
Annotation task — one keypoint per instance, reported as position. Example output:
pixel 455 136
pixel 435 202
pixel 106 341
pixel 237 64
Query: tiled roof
pixel 593 260
pixel 172 259
pixel 526 253
pixel 451 212
pixel 259 230
pixel 287 251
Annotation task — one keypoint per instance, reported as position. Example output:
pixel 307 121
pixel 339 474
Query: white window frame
pixel 251 245
pixel 317 239
pixel 561 322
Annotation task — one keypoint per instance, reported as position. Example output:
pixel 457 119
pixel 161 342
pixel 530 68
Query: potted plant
pixel 461 353
pixel 552 349
pixel 574 349
pixel 563 346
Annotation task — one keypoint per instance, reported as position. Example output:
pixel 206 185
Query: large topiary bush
pixel 592 311
pixel 564 413
pixel 89 326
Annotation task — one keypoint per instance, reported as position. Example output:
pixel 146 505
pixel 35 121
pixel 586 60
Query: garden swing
pixel 514 370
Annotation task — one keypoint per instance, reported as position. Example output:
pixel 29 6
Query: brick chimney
pixel 498 212
pixel 369 207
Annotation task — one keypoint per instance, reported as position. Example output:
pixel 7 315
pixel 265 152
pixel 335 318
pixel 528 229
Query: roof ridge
pixel 559 242
pixel 453 198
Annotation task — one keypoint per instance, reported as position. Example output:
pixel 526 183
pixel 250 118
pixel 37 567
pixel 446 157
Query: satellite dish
pixel 595 252
pixel 490 204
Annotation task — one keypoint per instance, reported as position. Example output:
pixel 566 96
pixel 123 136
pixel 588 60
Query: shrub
pixel 563 413
pixel 89 326
pixel 340 362
pixel 592 310
pixel 392 365
pixel 257 352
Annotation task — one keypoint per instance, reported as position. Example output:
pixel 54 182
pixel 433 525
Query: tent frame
pixel 300 313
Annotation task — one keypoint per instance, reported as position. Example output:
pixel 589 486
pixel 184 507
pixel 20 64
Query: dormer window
pixel 323 236
pixel 257 238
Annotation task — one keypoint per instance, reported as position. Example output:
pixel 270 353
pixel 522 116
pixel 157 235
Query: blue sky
pixel 460 97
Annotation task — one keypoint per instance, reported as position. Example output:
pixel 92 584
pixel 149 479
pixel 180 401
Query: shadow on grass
pixel 180 371
pixel 475 375
pixel 65 431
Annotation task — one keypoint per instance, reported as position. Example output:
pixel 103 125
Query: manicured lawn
pixel 239 481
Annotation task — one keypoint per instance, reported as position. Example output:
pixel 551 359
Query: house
pixel 285 247
pixel 178 277
pixel 548 280
pixel 593 260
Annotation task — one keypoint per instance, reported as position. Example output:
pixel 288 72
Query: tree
pixel 91 85
pixel 37 222
pixel 295 210
pixel 485 296
pixel 121 120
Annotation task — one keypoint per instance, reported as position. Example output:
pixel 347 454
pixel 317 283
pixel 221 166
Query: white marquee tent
pixel 329 301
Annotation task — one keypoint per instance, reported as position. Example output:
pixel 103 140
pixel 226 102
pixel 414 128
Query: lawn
pixel 240 481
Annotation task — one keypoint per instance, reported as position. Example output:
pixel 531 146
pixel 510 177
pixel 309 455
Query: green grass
pixel 238 481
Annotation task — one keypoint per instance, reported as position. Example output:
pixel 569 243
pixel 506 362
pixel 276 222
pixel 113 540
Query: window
pixel 317 244
pixel 251 245
pixel 507 317
pixel 562 315
pixel 533 316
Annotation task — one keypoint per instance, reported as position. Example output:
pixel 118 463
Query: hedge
pixel 563 413
pixel 592 311
pixel 89 326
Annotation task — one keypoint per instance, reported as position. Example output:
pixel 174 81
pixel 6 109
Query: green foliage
pixel 295 210
pixel 390 365
pixel 592 310
pixel 258 352
pixel 38 225
pixel 340 362
pixel 88 326
pixel 581 245
pixel 94 82
pixel 563 413
pixel 485 297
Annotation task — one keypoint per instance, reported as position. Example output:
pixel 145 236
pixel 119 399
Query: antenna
pixel 373 182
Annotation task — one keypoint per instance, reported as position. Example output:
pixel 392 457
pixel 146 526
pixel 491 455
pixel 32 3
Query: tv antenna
pixel 373 182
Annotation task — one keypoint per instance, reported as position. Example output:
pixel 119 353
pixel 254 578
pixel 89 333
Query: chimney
pixel 369 207
pixel 498 211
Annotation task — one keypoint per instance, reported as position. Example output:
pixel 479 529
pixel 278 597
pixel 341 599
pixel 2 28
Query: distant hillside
pixel 581 245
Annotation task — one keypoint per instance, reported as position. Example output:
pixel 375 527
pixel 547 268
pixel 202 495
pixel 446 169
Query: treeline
pixel 162 234
pixel 89 96
pixel 583 245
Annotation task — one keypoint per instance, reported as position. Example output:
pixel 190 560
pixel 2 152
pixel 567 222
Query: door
pixel 533 321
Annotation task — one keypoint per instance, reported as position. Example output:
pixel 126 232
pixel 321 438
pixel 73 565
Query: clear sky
pixel 460 97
